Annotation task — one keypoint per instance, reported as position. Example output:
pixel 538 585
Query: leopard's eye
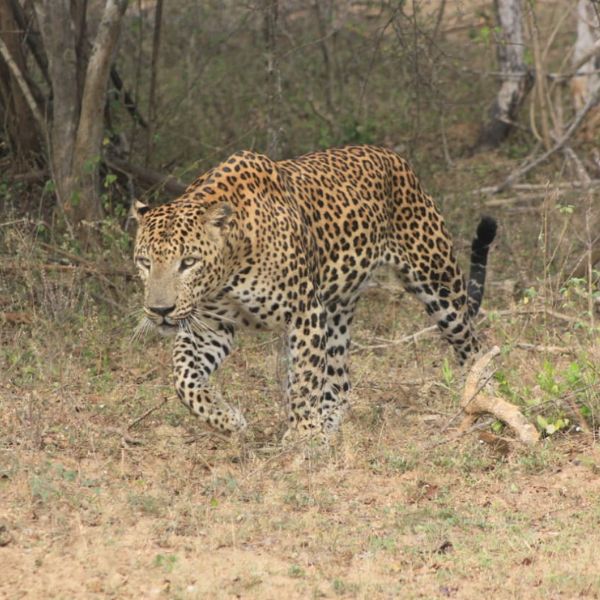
pixel 143 262
pixel 188 262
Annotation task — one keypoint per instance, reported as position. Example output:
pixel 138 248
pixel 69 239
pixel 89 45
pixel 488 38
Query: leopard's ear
pixel 218 215
pixel 138 210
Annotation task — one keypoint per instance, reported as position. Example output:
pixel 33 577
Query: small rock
pixel 5 536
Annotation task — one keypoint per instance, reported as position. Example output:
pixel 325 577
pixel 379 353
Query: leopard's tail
pixel 486 232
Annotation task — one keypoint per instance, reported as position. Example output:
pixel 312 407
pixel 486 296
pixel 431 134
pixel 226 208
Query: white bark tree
pixel 516 80
pixel 586 53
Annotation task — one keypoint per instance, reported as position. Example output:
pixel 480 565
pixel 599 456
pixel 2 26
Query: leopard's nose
pixel 161 311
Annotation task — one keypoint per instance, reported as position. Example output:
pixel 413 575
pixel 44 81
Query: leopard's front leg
pixel 307 339
pixel 195 356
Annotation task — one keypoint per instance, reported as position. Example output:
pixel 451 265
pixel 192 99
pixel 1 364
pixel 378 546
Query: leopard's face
pixel 179 253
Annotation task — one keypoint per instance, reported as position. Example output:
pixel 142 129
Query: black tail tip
pixel 486 231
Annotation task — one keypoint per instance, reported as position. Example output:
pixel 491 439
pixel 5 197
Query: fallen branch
pixel 534 311
pixel 552 313
pixel 99 272
pixel 526 187
pixel 148 176
pixel 524 200
pixel 18 318
pixel 476 402
pixel 402 340
pixel 544 348
pixel 32 176
pixel 579 117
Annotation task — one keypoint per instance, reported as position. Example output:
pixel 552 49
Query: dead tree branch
pixel 577 121
pixel 126 98
pixel 153 72
pixel 475 402
pixel 149 177
pixel 14 69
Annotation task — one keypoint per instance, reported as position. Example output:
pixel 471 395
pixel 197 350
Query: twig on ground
pixel 536 311
pixel 458 434
pixel 147 413
pixel 525 187
pixel 207 434
pixel 521 199
pixel 126 439
pixel 402 340
pixel 544 348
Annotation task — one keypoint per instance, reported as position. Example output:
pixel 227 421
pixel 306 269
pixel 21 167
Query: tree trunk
pixel 588 36
pixel 516 80
pixel 88 141
pixel 584 87
pixel 79 99
pixel 54 22
pixel 273 84
pixel 324 14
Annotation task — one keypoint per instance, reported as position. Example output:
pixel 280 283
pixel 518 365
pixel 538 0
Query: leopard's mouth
pixel 166 328
pixel 169 325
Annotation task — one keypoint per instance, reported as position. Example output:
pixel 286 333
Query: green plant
pixel 296 571
pixel 166 562
pixel 447 373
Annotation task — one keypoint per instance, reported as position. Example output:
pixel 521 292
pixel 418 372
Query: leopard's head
pixel 179 253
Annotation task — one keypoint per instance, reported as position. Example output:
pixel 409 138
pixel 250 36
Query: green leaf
pixel 109 180
pixel 543 424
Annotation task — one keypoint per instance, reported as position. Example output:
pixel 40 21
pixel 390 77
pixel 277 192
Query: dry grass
pixel 394 511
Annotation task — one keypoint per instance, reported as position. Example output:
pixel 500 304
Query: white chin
pixel 167 330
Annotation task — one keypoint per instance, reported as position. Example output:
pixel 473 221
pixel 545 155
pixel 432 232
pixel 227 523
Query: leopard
pixel 289 246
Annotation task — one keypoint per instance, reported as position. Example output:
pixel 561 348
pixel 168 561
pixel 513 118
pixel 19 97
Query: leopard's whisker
pixel 202 323
pixel 141 330
pixel 197 324
pixel 216 316
pixel 138 311
pixel 188 326
pixel 199 314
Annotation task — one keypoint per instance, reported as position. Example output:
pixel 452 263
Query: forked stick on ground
pixel 476 401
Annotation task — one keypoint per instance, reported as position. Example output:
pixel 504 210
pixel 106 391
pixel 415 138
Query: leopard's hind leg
pixel 340 315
